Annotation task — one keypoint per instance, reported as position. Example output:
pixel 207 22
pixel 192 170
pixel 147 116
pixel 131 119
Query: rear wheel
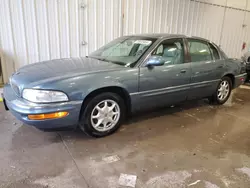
pixel 103 115
pixel 223 91
pixel 248 71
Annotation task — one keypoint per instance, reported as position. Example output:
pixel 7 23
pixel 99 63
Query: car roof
pixel 166 35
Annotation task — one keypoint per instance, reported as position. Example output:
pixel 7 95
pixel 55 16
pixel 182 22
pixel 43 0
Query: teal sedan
pixel 132 73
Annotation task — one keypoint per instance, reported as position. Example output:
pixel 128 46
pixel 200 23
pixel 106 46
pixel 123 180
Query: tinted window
pixel 199 51
pixel 214 52
pixel 171 51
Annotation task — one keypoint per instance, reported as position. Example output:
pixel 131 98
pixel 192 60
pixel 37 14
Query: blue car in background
pixel 131 73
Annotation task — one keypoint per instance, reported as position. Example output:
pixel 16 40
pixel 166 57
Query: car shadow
pixel 142 116
pixel 166 110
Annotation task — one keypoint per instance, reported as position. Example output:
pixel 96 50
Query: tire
pixel 216 98
pixel 248 71
pixel 96 108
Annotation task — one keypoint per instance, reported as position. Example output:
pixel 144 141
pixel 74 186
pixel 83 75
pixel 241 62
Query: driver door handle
pixel 183 71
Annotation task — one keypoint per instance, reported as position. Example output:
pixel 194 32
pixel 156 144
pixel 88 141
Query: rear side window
pixel 199 51
pixel 214 52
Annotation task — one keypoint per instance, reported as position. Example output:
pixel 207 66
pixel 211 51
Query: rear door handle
pixel 183 71
pixel 220 66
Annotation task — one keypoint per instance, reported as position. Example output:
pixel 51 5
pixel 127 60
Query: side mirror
pixel 155 61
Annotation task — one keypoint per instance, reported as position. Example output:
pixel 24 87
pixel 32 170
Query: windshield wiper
pixel 104 59
pixel 98 58
pixel 117 62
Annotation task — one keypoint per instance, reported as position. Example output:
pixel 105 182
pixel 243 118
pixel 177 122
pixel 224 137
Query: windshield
pixel 124 51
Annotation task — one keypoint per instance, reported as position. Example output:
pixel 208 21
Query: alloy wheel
pixel 105 115
pixel 223 90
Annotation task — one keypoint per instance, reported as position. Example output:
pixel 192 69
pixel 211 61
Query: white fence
pixel 37 30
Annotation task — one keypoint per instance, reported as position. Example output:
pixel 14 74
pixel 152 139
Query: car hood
pixel 59 69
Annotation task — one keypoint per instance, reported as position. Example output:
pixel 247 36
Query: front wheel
pixel 103 115
pixel 223 91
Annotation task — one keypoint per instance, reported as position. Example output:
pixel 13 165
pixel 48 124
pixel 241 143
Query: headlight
pixel 44 96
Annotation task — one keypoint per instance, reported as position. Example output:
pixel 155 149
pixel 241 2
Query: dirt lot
pixel 190 145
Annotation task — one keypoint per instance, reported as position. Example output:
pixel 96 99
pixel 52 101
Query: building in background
pixel 38 30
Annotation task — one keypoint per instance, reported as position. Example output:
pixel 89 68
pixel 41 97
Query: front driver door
pixel 169 83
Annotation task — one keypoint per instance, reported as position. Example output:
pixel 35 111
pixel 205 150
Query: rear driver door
pixel 207 68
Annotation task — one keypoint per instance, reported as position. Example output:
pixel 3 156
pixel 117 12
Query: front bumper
pixel 21 108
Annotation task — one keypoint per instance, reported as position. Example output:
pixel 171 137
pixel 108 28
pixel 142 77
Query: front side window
pixel 124 51
pixel 171 51
pixel 199 51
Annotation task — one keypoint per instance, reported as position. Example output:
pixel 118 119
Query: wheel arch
pixel 232 77
pixel 122 92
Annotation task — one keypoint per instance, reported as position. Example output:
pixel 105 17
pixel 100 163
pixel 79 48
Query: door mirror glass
pixel 155 60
